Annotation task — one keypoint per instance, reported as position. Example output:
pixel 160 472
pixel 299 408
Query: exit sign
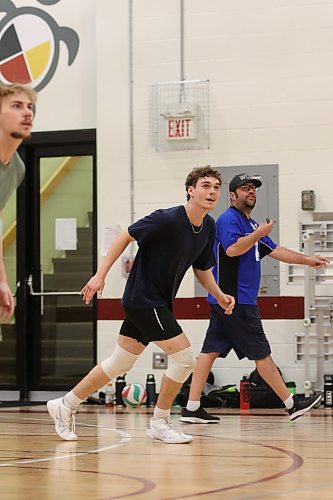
pixel 180 129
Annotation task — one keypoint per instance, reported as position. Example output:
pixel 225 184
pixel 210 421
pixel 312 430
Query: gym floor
pixel 249 455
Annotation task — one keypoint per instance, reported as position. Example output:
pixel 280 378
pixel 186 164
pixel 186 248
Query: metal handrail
pixel 43 294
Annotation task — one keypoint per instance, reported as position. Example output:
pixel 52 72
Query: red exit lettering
pixel 179 128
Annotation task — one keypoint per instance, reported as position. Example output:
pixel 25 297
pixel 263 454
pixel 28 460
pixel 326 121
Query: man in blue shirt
pixel 170 241
pixel 240 245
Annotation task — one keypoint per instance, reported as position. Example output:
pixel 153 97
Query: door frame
pixel 43 144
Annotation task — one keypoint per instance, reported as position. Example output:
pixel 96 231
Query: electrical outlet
pixel 160 360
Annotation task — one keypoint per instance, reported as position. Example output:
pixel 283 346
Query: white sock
pixel 289 402
pixel 71 401
pixel 159 413
pixel 192 405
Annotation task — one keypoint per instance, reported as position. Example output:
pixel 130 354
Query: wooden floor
pixel 252 455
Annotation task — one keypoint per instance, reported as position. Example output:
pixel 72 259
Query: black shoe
pixel 199 416
pixel 302 405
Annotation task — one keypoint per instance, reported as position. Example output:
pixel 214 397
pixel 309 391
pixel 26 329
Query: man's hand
pixel 265 228
pixel 6 302
pixel 317 261
pixel 95 284
pixel 227 303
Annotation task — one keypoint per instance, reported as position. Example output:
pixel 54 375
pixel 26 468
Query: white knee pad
pixel 118 363
pixel 182 365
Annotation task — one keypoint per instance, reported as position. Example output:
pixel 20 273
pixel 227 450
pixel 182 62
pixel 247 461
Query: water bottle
pixel 120 384
pixel 109 395
pixel 328 391
pixel 151 390
pixel 244 398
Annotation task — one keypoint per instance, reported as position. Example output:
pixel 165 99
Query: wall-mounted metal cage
pixel 315 344
pixel 179 115
pixel 323 235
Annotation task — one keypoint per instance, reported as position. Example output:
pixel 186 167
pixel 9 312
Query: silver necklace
pixel 200 228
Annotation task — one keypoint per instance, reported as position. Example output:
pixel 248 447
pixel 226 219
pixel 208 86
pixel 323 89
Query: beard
pixel 18 135
pixel 250 204
pixel 245 204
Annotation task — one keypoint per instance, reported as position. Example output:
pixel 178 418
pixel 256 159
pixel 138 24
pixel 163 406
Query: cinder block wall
pixel 271 93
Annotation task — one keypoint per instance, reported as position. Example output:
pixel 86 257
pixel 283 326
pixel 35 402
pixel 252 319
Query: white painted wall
pixel 280 333
pixel 69 101
pixel 270 66
pixel 270 69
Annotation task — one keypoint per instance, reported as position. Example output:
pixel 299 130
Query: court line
pixel 147 485
pixel 125 438
pixel 297 462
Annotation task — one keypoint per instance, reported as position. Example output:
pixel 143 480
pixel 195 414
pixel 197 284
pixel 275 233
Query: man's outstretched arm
pixel 97 282
pixel 290 257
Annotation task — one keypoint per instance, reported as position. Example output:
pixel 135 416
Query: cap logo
pixel 244 176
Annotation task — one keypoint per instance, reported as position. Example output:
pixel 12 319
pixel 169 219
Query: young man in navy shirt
pixel 240 245
pixel 170 241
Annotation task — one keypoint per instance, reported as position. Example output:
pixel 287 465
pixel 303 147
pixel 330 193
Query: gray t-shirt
pixel 11 177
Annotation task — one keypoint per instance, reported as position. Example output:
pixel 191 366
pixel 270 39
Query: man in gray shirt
pixel 16 118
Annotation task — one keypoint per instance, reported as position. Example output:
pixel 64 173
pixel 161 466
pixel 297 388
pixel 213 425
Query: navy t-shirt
pixel 167 248
pixel 238 276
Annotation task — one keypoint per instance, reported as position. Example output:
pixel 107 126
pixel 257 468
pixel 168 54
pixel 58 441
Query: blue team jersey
pixel 238 276
pixel 168 246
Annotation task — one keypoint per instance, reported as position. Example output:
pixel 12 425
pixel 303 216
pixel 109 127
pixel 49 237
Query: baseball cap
pixel 241 179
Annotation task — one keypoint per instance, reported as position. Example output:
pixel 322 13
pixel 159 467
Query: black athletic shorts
pixel 241 331
pixel 150 325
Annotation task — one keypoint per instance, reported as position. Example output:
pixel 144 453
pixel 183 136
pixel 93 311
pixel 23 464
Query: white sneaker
pixel 64 419
pixel 164 430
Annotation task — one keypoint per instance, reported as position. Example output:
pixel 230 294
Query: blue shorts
pixel 241 331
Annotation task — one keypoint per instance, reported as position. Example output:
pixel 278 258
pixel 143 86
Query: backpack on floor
pixel 207 400
pixel 226 396
pixel 212 396
pixel 261 394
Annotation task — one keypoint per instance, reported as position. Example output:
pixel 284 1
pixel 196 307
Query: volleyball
pixel 134 395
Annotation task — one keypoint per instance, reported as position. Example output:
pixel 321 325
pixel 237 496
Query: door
pixel 56 254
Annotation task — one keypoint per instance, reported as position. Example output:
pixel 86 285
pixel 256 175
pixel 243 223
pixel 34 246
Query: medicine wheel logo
pixel 29 45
